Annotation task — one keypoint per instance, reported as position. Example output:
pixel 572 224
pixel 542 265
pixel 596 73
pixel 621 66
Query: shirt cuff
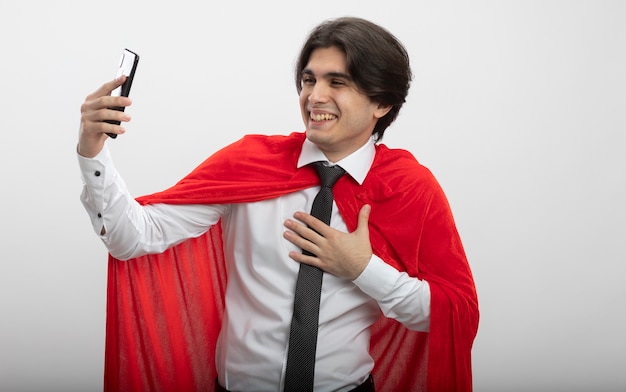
pixel 93 170
pixel 377 279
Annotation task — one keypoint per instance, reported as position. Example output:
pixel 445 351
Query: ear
pixel 382 110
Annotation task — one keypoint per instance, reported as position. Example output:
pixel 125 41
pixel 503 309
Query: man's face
pixel 339 119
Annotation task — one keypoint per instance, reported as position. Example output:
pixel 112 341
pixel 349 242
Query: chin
pixel 317 136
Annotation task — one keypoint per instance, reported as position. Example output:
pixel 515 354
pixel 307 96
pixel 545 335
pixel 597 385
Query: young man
pixel 206 290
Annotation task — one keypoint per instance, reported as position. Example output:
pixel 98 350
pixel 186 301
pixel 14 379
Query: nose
pixel 319 93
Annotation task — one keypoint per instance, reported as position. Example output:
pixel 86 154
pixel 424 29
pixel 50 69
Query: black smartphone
pixel 127 66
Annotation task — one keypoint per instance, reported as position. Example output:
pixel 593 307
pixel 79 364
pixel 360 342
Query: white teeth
pixel 322 117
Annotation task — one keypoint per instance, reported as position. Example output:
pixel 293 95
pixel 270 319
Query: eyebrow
pixel 336 74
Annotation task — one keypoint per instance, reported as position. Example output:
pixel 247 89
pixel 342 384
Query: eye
pixel 338 82
pixel 308 80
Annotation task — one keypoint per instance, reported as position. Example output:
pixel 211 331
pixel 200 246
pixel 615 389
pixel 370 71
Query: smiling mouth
pixel 322 117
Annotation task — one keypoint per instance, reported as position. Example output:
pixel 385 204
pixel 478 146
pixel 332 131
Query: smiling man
pixel 204 276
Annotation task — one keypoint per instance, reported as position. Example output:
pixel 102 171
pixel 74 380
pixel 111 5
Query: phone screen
pixel 128 65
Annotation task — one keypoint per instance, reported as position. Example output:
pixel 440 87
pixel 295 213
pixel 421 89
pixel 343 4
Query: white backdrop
pixel 518 107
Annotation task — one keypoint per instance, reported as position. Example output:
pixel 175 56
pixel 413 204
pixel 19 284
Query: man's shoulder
pixel 398 171
pixel 397 160
pixel 257 147
pixel 274 141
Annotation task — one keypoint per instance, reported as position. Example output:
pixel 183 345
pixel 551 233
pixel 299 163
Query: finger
pixel 99 109
pixel 107 88
pixel 305 259
pixel 111 115
pixel 110 128
pixel 301 242
pixel 103 117
pixel 302 231
pixel 104 121
pixel 103 127
pixel 312 222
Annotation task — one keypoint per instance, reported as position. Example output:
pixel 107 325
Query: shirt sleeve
pixel 129 229
pixel 399 296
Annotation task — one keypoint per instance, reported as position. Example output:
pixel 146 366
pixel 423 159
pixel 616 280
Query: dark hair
pixel 376 60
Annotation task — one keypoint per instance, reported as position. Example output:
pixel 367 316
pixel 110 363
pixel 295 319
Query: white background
pixel 518 107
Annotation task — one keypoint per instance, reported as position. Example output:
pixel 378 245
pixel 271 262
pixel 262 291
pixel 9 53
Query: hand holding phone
pixel 127 67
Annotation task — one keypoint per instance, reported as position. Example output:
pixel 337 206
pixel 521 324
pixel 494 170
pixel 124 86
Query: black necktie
pixel 303 335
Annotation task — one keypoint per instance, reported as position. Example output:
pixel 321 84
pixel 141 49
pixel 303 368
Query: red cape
pixel 164 311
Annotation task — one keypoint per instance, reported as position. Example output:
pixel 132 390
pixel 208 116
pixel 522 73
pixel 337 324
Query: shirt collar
pixel 357 164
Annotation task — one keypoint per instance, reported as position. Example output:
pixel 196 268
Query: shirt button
pixel 99 215
pixel 97 173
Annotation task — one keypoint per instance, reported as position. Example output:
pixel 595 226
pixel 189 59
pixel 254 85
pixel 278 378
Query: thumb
pixel 364 216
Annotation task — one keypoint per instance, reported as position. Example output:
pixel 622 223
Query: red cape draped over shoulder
pixel 164 311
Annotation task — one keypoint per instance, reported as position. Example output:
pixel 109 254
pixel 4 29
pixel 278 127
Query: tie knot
pixel 328 174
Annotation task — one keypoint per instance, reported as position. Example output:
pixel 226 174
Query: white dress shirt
pixel 252 347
